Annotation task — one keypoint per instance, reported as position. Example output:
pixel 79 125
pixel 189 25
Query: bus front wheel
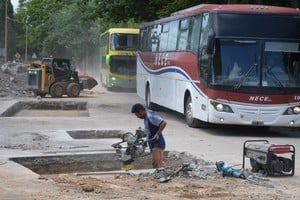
pixel 149 104
pixel 188 112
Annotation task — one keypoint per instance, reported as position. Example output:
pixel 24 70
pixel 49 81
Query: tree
pixel 10 30
pixel 72 27
pixel 70 36
pixel 122 10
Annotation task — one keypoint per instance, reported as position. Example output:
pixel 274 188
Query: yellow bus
pixel 118 49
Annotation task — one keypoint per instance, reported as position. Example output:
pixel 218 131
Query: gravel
pixel 13 80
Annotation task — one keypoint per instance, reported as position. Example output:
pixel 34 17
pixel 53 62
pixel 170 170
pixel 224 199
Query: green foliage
pixel 10 28
pixel 65 32
pixel 120 10
pixel 53 26
pixel 178 5
pixel 71 27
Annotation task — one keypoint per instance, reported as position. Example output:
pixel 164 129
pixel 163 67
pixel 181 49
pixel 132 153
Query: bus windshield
pixel 256 63
pixel 125 42
pixel 125 65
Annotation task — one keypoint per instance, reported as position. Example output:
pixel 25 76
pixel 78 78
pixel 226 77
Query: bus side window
pixel 173 34
pixel 145 39
pixel 204 32
pixel 182 41
pixel 155 37
pixel 164 37
pixel 194 28
pixel 104 40
pixel 203 56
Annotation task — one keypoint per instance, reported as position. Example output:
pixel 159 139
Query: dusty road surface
pixel 32 133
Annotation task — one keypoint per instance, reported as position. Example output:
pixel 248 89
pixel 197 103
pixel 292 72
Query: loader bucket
pixel 87 82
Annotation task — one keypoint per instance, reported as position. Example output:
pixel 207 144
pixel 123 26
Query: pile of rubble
pixel 184 165
pixel 206 172
pixel 13 80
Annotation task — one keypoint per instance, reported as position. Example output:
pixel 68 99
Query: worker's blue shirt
pixel 152 123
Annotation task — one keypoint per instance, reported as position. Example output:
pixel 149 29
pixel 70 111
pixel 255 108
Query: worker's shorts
pixel 160 143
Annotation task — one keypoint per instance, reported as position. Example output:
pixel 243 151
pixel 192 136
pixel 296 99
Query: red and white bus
pixel 210 62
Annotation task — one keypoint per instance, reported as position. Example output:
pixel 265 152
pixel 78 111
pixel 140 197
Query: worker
pixel 155 125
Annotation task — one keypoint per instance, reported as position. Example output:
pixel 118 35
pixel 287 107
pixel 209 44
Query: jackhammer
pixel 229 171
pixel 132 146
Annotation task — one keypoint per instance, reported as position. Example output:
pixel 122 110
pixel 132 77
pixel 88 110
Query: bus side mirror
pixel 107 59
pixel 210 42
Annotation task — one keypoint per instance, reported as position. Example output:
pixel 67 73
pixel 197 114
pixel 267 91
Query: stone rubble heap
pixel 206 172
pixel 13 80
pixel 187 166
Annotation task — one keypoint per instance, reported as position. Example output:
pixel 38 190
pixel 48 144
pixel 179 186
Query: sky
pixel 15 3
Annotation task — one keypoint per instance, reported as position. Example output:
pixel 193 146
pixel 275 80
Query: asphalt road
pixel 111 111
pixel 212 144
pixel 35 135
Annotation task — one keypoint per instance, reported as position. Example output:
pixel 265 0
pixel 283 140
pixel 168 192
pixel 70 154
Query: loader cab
pixel 61 67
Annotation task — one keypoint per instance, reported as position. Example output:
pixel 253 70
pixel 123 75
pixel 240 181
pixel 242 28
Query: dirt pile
pixel 13 80
pixel 197 180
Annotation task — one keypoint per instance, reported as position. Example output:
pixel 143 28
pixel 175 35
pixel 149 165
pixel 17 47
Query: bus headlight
pixel 292 110
pixel 220 107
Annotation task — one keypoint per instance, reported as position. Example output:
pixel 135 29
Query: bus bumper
pixel 122 83
pixel 255 116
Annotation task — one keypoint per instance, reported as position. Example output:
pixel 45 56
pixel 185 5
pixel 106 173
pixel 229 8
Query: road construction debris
pixel 206 172
pixel 13 80
pixel 165 177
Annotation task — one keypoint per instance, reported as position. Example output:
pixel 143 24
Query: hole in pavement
pixel 47 109
pixel 93 162
pixel 70 163
pixel 95 134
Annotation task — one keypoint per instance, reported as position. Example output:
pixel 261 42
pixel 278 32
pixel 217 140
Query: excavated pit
pixel 47 109
pixel 90 160
pixel 96 134
pixel 78 162
pixel 58 164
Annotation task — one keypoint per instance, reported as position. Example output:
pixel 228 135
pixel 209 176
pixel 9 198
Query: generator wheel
pixel 73 90
pixel 254 165
pixel 56 90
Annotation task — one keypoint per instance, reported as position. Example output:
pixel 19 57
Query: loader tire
pixel 73 90
pixel 56 90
